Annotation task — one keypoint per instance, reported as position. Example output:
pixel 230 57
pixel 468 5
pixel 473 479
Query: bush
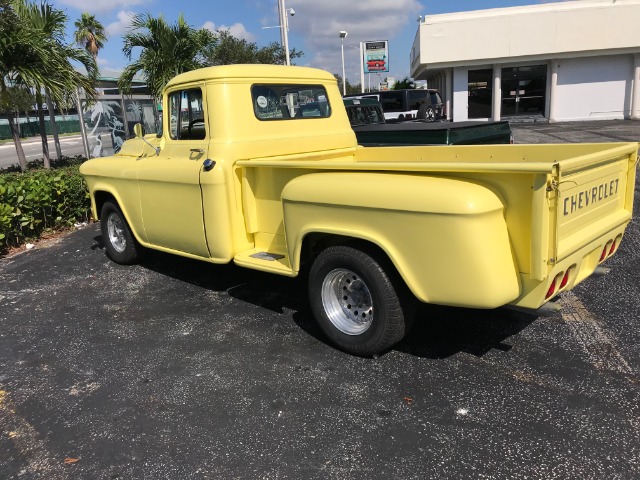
pixel 40 200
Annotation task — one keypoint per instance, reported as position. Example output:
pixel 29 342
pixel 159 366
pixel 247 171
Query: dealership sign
pixel 376 56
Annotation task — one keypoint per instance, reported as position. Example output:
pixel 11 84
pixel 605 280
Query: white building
pixel 576 60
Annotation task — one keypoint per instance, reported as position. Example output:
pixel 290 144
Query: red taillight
pixel 552 290
pixel 565 280
pixel 603 255
pixel 613 247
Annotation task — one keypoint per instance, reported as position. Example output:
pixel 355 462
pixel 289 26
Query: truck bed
pixel 433 133
pixel 554 228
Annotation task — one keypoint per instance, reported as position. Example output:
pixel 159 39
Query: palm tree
pixel 15 58
pixel 167 50
pixel 99 109
pixel 49 59
pixel 136 109
pixel 90 34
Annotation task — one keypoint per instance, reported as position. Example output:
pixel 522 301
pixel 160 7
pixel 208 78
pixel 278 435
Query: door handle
pixel 208 164
pixel 197 150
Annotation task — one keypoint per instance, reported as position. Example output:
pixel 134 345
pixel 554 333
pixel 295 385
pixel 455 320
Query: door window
pixel 186 115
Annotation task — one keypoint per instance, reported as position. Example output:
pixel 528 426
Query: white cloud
pixel 237 30
pixel 94 6
pixel 111 72
pixel 121 25
pixel 320 23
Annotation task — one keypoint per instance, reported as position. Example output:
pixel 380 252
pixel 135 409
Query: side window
pixel 416 98
pixel 392 101
pixel 287 102
pixel 186 115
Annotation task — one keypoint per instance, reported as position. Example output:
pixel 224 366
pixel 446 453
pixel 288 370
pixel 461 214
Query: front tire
pixel 355 302
pixel 119 242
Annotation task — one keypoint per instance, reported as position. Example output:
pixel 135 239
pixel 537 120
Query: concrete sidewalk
pixel 577 132
pixel 70 145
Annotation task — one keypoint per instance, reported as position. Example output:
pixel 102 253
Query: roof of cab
pixel 253 71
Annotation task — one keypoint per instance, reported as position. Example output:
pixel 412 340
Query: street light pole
pixel 284 28
pixel 343 35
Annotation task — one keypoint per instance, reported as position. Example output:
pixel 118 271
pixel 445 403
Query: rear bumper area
pixel 567 273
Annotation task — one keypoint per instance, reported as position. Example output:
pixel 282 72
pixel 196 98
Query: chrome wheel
pixel 431 115
pixel 347 301
pixel 116 233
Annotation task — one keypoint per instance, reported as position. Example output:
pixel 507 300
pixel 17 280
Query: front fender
pixel 116 177
pixel 447 237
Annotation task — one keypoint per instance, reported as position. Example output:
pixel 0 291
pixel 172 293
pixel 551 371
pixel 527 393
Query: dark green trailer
pixel 434 133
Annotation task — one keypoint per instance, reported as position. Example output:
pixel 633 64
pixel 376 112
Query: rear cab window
pixel 287 102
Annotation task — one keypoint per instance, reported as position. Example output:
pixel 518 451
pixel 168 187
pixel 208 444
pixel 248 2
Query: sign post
pixel 361 67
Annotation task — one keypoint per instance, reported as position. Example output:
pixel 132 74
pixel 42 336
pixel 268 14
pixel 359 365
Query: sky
pixel 314 28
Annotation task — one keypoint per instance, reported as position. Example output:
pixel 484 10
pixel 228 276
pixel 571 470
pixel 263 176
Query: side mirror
pixel 138 130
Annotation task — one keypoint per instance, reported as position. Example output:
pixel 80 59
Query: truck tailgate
pixel 593 196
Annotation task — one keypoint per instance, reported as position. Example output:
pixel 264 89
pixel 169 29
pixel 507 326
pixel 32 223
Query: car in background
pixel 371 129
pixel 363 111
pixel 408 104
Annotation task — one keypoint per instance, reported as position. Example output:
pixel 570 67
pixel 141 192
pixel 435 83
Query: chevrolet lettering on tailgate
pixel 591 196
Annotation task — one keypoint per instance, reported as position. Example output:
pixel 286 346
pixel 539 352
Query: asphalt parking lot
pixel 175 369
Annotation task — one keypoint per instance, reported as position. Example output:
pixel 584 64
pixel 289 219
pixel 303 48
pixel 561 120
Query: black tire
pixel 367 317
pixel 426 112
pixel 119 242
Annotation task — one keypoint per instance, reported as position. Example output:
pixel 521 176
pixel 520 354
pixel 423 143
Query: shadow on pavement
pixel 438 331
pixel 441 332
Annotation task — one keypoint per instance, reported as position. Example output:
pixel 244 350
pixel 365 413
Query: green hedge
pixel 40 200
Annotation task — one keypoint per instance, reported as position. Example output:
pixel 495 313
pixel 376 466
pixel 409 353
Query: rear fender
pixel 447 237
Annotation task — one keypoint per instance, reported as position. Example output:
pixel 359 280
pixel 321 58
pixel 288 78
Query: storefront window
pixel 524 90
pixel 480 93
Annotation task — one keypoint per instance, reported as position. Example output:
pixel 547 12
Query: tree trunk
pixel 15 133
pixel 43 130
pixel 54 126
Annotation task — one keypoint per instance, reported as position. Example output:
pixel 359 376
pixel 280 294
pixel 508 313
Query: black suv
pixel 422 104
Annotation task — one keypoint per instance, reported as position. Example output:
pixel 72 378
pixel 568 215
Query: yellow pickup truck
pixel 258 165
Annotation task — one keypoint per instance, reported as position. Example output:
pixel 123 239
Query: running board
pixel 266 261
